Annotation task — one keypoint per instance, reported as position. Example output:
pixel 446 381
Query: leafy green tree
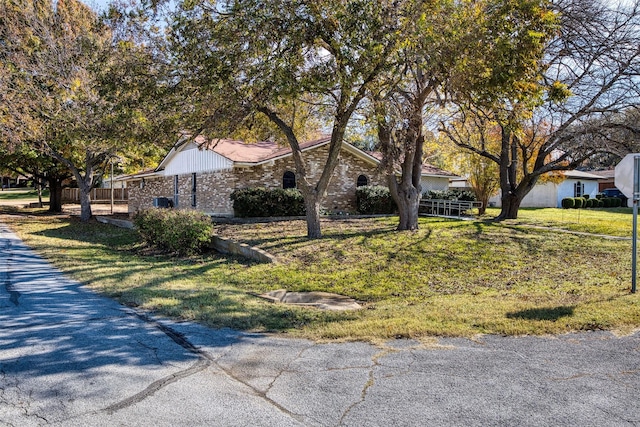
pixel 589 74
pixel 237 60
pixel 70 88
pixel 24 160
pixel 457 50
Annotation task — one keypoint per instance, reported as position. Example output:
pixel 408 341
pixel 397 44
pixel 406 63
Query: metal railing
pixel 440 207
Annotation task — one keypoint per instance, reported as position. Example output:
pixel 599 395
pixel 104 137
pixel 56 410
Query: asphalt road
pixel 71 358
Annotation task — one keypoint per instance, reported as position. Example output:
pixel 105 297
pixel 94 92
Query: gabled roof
pixel 427 169
pixel 245 154
pixel 137 175
pixel 257 152
pixel 605 174
pixel 580 175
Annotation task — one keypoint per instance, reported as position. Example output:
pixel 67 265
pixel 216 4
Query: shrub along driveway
pixel 69 357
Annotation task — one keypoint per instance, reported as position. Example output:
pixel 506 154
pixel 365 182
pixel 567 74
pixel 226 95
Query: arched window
pixel 362 181
pixel 289 180
pixel 578 189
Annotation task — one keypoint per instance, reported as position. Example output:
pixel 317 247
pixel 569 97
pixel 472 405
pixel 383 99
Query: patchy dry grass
pixel 453 278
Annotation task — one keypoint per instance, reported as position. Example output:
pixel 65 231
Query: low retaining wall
pixel 230 247
pixel 122 223
pixel 220 244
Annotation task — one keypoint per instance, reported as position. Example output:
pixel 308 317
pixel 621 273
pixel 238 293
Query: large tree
pixel 239 59
pixel 456 49
pixel 590 73
pixel 25 160
pixel 64 90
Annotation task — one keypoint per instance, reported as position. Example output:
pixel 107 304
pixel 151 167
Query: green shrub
pixel 185 232
pixel 568 202
pixel 463 196
pixel 616 202
pixel 606 202
pixel 590 203
pixel 374 199
pixel 578 202
pixel 600 203
pixel 585 196
pixel 265 202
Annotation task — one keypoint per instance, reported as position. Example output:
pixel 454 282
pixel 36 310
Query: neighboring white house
pixel 550 195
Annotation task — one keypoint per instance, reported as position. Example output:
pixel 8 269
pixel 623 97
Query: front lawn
pixel 451 278
pixel 21 194
pixel 608 221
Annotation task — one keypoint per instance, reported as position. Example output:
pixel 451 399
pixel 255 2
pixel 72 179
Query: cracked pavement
pixel 69 357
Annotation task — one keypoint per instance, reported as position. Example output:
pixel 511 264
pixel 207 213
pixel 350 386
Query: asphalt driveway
pixel 69 357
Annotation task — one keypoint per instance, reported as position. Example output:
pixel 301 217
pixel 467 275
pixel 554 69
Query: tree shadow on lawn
pixel 529 240
pixel 543 313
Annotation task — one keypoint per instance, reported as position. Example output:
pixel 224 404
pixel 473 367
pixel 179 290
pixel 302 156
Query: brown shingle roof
pixel 257 152
pixel 427 169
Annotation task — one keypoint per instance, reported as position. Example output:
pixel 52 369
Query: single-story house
pixel 201 174
pixel 549 194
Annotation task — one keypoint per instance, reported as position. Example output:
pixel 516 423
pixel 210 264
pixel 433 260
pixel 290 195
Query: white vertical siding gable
pixel 191 160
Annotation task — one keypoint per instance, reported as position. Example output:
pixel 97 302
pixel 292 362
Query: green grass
pixel 450 278
pixel 21 194
pixel 608 221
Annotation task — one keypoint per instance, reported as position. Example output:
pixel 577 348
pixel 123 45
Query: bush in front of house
pixel 463 196
pixel 616 202
pixel 267 202
pixel 374 199
pixel 578 202
pixel 606 202
pixel 184 232
pixel 568 203
pixel 590 203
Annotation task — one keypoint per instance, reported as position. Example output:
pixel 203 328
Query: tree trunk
pixel 55 195
pixel 85 201
pixel 408 201
pixel 510 206
pixel 39 190
pixel 312 206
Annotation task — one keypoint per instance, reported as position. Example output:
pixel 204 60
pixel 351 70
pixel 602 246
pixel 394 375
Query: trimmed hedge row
pixel 583 202
pixel 463 196
pixel 265 202
pixel 184 232
pixel 374 199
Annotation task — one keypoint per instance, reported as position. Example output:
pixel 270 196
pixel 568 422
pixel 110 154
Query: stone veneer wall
pixel 213 189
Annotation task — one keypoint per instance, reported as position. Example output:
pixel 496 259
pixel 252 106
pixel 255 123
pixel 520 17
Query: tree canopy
pixel 63 90
pixel 589 74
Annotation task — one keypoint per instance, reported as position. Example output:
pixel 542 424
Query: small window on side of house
pixel 193 190
pixel 362 181
pixel 289 180
pixel 176 189
pixel 578 189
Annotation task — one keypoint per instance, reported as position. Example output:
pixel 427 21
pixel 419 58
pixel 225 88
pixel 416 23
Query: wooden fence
pixel 99 195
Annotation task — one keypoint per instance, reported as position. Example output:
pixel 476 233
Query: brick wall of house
pixel 213 189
